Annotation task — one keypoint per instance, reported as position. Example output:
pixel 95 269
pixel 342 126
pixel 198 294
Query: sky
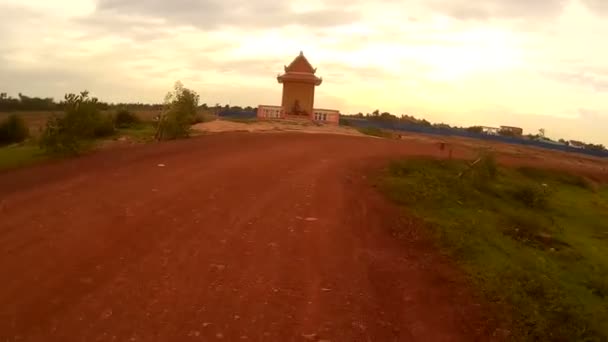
pixel 533 64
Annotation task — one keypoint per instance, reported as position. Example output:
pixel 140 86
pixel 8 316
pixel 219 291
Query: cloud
pixel 488 9
pixel 598 6
pixel 594 79
pixel 211 14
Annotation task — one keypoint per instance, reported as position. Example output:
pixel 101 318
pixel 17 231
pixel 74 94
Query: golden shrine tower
pixel 299 82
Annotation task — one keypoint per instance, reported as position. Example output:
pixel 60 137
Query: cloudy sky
pixel 529 63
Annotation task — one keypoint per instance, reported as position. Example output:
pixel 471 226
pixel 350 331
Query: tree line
pixel 23 103
pixel 32 103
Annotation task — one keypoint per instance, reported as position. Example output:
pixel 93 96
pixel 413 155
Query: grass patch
pixel 535 242
pixel 375 132
pixel 142 132
pixel 14 156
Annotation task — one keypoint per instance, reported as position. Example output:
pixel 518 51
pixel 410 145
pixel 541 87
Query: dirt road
pixel 268 237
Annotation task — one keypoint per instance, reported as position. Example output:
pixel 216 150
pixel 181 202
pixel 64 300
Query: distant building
pixel 490 130
pixel 514 131
pixel 299 82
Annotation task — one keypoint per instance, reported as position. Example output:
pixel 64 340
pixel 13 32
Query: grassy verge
pixel 143 132
pixel 376 132
pixel 535 242
pixel 20 155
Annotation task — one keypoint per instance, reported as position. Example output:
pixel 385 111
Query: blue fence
pixel 401 126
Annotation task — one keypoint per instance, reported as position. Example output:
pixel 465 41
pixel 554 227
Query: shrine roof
pixel 301 70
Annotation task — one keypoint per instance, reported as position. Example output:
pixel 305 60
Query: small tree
pixel 541 132
pixel 82 121
pixel 178 113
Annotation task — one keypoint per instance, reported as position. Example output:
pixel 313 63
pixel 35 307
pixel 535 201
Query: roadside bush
pixel 59 137
pixel 73 132
pixel 532 196
pixel 198 118
pixel 125 119
pixel 105 126
pixel 13 130
pixel 178 115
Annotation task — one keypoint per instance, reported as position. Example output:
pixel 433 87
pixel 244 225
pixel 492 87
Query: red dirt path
pixel 268 237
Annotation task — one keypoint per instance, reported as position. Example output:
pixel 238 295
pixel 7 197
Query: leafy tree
pixel 178 114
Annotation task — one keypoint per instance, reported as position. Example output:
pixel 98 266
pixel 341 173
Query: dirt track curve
pixel 256 237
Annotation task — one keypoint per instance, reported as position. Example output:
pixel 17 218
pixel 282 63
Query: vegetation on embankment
pixel 83 126
pixel 375 132
pixel 534 242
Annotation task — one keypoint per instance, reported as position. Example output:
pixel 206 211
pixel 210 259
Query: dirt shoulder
pixel 302 126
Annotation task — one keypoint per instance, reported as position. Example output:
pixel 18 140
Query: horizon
pixel 500 63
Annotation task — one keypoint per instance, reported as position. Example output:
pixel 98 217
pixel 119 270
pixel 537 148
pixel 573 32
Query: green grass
pixel 20 155
pixel 143 132
pixel 376 132
pixel 534 242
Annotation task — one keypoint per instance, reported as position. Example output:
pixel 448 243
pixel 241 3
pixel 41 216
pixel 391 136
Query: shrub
pixel 198 118
pixel 69 134
pixel 532 196
pixel 178 115
pixel 59 138
pixel 13 130
pixel 125 119
pixel 104 126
